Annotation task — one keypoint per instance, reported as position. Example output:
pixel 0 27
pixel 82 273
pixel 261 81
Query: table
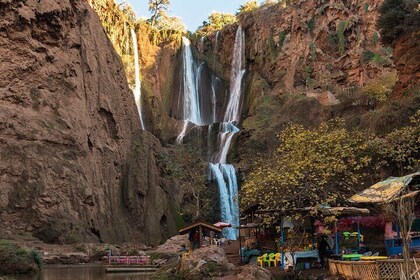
pixel 336 257
pixel 373 258
pixel 289 260
pixel 353 257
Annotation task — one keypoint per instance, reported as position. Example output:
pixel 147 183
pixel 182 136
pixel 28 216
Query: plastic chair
pixel 277 259
pixel 272 259
pixel 260 260
pixel 267 260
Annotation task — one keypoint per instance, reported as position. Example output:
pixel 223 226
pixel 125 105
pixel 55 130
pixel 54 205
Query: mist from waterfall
pixel 137 87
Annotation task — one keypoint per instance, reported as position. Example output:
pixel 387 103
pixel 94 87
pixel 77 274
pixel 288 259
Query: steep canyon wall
pixel 74 164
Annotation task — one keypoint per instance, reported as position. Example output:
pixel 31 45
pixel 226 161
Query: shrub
pixel 368 55
pixel 16 259
pixel 282 37
pixel 341 27
pixel 311 26
pixel 375 58
pixel 375 38
pixel 366 7
pixel 272 46
pixel 379 89
pixel 312 50
pixel 379 60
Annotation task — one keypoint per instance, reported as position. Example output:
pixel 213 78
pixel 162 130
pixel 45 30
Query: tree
pixel 310 167
pixel 400 149
pixel 172 23
pixel 396 18
pixel 248 7
pixel 184 166
pixel 117 21
pixel 379 89
pixel 216 21
pixel 157 7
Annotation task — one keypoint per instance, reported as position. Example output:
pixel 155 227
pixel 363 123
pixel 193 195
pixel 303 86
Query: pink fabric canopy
pixel 222 225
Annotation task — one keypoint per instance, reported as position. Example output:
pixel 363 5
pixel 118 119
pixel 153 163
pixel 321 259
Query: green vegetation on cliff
pixel 216 21
pixel 398 17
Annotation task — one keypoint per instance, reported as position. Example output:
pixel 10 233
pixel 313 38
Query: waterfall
pixel 225 177
pixel 214 82
pixel 191 105
pixel 220 171
pixel 227 130
pixel 232 113
pixel 137 87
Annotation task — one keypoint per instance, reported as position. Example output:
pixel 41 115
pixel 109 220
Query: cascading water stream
pixel 232 113
pixel 137 87
pixel 191 105
pixel 225 174
pixel 222 173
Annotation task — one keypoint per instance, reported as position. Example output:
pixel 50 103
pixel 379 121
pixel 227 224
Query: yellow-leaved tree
pixel 311 167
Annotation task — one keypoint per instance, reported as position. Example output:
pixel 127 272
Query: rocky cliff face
pixel 309 44
pixel 74 164
pixel 303 58
pixel 407 61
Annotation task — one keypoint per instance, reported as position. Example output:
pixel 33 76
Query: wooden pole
pixel 337 250
pixel 282 241
pixel 199 236
pixel 240 244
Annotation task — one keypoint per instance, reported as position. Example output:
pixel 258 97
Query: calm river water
pixel 81 272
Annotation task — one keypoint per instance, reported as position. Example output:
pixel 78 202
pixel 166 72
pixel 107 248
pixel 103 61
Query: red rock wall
pixel 74 164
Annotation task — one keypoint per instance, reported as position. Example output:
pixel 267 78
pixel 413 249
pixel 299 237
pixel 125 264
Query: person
pixel 363 248
pixel 323 246
pixel 196 239
pixel 191 239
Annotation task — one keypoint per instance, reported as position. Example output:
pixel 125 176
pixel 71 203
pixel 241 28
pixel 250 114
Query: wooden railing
pixel 128 260
pixel 370 270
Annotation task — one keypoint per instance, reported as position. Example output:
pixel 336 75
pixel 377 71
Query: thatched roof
pixel 387 190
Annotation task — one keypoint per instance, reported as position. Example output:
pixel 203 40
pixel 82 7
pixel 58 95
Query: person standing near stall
pixel 323 246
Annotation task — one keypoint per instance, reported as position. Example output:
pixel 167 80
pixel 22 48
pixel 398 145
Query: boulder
pixel 173 244
pixel 207 262
pixel 253 272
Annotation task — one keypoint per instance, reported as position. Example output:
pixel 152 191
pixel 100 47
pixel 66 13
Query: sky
pixel 193 12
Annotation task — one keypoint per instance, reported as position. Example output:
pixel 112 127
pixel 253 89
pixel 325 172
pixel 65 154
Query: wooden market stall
pixel 199 227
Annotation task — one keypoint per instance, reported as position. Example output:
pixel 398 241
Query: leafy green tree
pixel 310 167
pixel 216 21
pixel 167 22
pixel 157 7
pixel 400 149
pixel 185 166
pixel 397 17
